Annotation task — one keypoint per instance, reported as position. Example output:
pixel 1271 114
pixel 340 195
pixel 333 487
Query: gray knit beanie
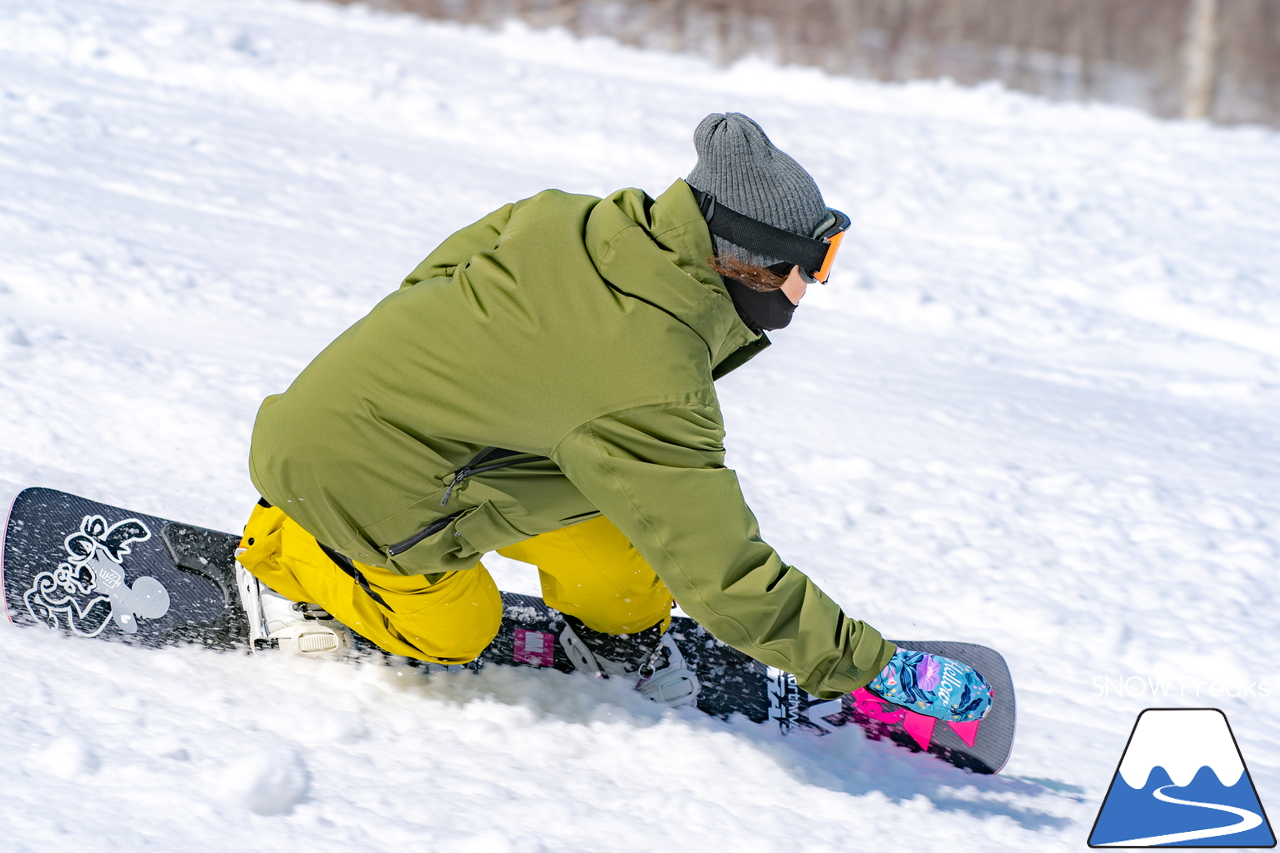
pixel 744 171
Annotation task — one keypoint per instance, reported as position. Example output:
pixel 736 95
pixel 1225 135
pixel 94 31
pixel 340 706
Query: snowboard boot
pixel 608 654
pixel 277 622
pixel 934 686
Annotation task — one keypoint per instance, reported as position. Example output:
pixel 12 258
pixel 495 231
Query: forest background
pixel 1194 59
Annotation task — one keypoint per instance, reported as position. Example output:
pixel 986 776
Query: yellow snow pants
pixel 589 570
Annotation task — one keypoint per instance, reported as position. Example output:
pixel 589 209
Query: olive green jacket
pixel 583 330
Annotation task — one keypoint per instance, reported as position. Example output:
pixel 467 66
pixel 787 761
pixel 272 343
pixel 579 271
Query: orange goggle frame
pixel 833 236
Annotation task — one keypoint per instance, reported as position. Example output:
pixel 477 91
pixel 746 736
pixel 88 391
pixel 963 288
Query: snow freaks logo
pixel 1181 782
pixel 84 593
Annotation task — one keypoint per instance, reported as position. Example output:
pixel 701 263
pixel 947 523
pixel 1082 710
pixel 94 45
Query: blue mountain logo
pixel 1182 782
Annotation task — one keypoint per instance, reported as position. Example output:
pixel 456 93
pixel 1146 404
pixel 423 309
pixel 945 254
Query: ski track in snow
pixel 1036 408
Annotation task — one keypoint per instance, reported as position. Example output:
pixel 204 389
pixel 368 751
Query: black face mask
pixel 761 311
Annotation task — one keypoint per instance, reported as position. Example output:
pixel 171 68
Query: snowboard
pixel 95 570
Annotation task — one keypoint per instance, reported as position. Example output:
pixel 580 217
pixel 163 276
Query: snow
pixel 1036 408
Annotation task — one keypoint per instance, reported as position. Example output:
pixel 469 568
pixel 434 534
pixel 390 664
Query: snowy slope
pixel 1037 408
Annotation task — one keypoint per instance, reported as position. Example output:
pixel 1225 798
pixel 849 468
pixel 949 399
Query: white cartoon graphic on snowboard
pixel 86 592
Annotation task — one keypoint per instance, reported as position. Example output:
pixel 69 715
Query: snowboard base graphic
pixel 95 570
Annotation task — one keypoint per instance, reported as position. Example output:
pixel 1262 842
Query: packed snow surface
pixel 1036 408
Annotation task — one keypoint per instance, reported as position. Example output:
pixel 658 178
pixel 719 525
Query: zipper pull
pixel 457 478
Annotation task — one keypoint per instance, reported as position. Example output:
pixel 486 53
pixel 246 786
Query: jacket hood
pixel 621 234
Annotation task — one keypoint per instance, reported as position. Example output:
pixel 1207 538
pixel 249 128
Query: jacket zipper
pixel 489 459
pixel 432 528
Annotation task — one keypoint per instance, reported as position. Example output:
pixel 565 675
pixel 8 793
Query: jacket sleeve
pixel 658 473
pixel 460 246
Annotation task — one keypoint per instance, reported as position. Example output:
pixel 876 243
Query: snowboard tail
pixel 94 570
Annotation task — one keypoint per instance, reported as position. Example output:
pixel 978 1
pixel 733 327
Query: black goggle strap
pixel 728 224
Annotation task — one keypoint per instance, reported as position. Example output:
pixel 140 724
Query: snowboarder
pixel 542 386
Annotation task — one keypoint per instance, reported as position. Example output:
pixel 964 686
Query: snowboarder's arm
pixel 658 473
pixel 459 247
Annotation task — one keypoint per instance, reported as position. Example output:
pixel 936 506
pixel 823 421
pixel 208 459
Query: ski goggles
pixel 814 255
pixel 832 236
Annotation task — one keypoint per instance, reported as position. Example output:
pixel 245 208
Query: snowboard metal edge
pixel 4 533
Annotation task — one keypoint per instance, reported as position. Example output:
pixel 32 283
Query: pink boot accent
pixel 871 705
pixel 968 732
pixel 920 727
